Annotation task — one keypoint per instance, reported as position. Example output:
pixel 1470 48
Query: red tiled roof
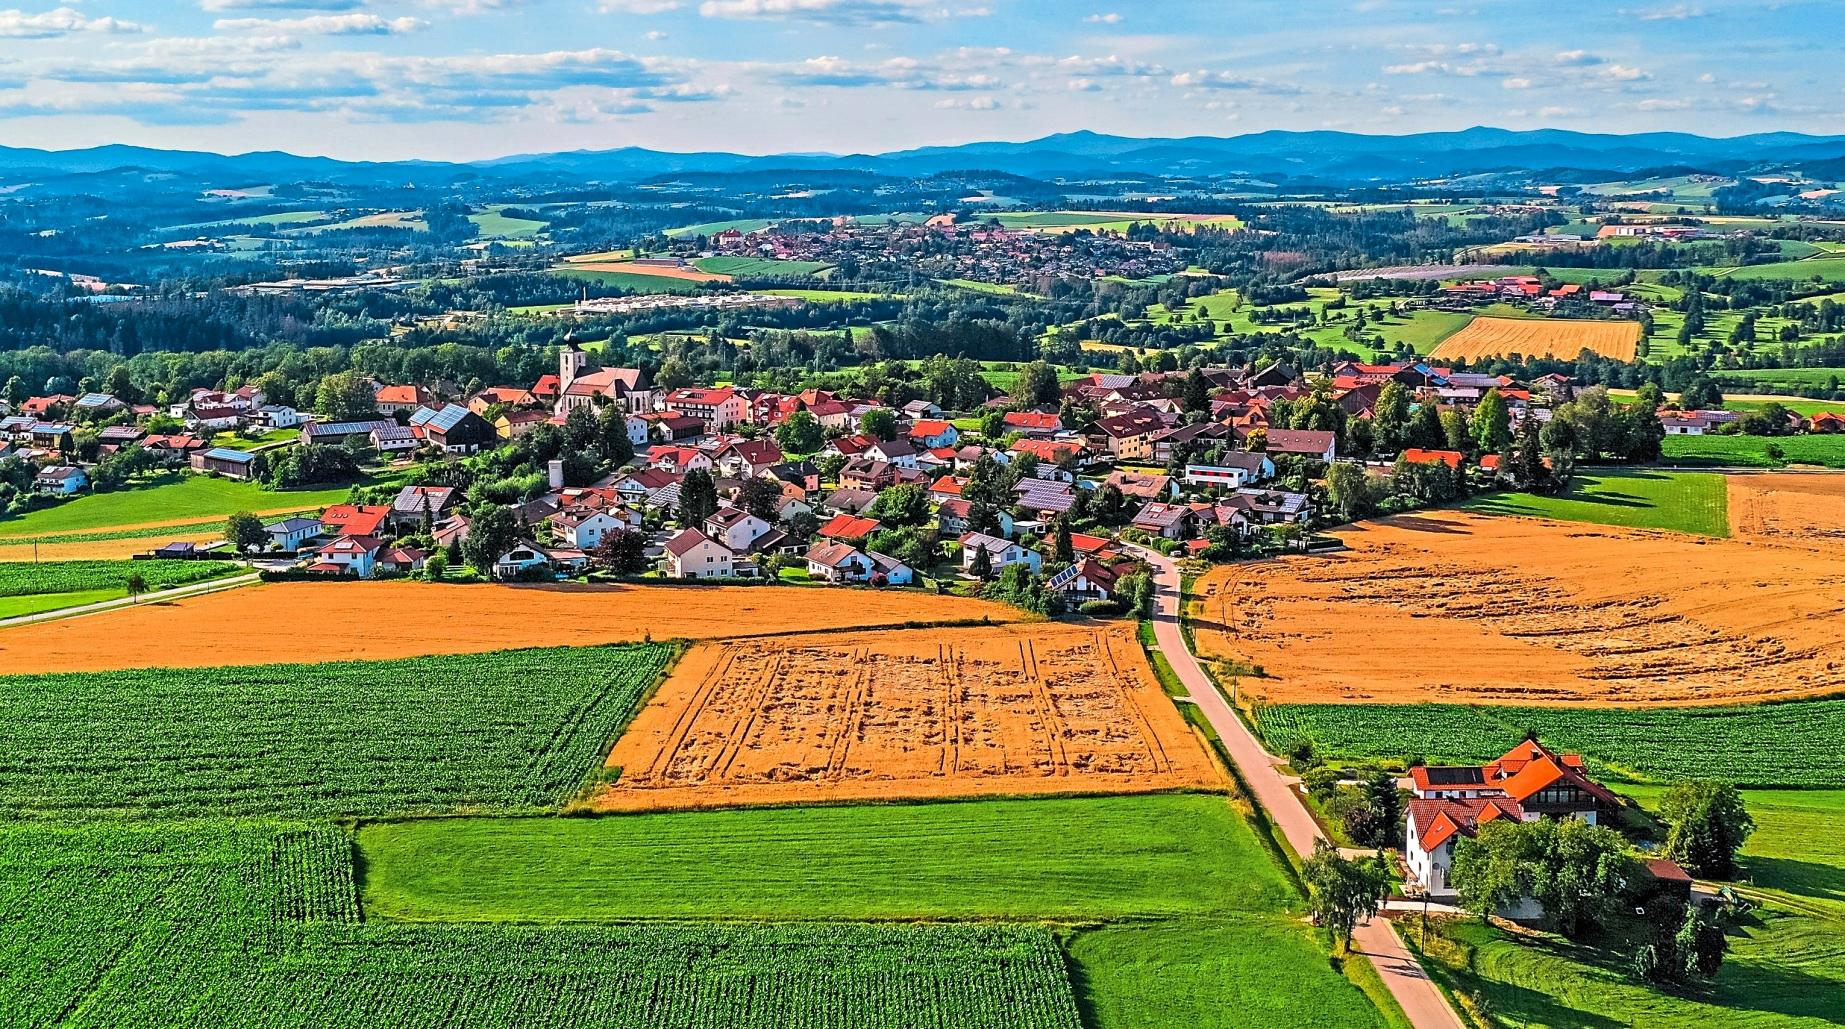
pixel 1451 458
pixel 849 527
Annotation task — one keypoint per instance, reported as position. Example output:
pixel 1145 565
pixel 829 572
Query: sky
pixel 473 79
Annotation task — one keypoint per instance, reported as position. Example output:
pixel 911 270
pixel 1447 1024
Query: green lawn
pixel 713 228
pixel 173 497
pixel 830 296
pixel 1824 269
pixel 1753 451
pixel 1694 502
pixel 1193 904
pixel 1770 380
pixel 998 289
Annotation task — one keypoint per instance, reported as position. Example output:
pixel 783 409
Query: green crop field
pixel 976 286
pixel 51 585
pixel 170 498
pixel 1189 897
pixel 760 267
pixel 831 296
pixel 1753 451
pixel 1787 744
pixel 183 925
pixel 510 730
pixel 1695 502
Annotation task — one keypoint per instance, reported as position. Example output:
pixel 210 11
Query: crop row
pixel 19 579
pixel 1793 744
pixel 511 730
pixel 175 924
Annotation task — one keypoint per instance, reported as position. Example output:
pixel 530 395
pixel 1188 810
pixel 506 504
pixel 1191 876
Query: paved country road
pixel 1377 939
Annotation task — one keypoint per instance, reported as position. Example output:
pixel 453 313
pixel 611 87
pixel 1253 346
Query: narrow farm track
pixel 1421 1000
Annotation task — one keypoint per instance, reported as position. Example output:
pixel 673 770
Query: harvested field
pixel 957 712
pixel 1454 607
pixel 1792 508
pixel 337 621
pixel 110 548
pixel 633 268
pixel 1535 337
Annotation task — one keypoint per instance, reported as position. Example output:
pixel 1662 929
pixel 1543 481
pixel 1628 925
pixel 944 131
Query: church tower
pixel 571 362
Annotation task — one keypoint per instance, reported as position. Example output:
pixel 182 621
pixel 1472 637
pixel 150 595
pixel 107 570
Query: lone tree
pixel 880 422
pixel 697 498
pixel 244 531
pixel 491 533
pixel 1708 825
pixel 1341 892
pixel 136 585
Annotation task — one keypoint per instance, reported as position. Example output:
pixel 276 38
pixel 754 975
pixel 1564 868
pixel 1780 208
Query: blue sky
pixel 464 79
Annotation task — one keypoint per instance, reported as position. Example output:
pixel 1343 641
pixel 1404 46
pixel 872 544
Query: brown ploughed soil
pixel 1452 607
pixel 339 621
pixel 935 713
pixel 1801 509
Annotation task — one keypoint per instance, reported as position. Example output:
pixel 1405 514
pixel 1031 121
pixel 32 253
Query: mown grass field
pixel 493 223
pixel 1792 744
pixel 512 730
pixel 1770 380
pixel 712 228
pixel 1192 904
pixel 760 267
pixel 1753 451
pixel 175 498
pixel 1694 502
pixel 632 282
pixel 255 924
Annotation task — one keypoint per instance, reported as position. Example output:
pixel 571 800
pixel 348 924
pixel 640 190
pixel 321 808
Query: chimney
pixel 555 472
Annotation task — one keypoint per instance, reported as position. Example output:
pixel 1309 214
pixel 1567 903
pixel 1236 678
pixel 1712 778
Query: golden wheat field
pixel 1536 337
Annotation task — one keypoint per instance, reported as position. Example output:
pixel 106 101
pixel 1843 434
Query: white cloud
pixel 835 12
pixel 1675 12
pixel 978 103
pixel 1516 82
pixel 280 5
pixel 1626 74
pixel 63 21
pixel 638 6
pixel 1239 83
pixel 1111 18
pixel 324 25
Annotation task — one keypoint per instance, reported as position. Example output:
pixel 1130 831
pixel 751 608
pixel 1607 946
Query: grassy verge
pixel 1693 502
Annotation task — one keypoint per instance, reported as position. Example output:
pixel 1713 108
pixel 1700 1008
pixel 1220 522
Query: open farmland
pixel 514 730
pixel 1172 913
pixel 1450 606
pixel 1692 502
pixel 50 585
pixel 1535 337
pixel 185 925
pixel 1788 744
pixel 1790 508
pixel 636 269
pixel 759 267
pixel 879 715
pixel 1753 451
pixel 359 620
pixel 173 501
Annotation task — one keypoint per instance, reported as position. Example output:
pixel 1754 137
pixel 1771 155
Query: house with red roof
pixel 848 528
pixel 1452 458
pixel 354 519
pixel 930 433
pixel 1032 423
pixel 1527 783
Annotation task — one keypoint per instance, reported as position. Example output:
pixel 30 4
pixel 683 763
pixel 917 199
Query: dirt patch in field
pixel 1535 337
pixel 659 271
pixel 339 621
pixel 940 713
pixel 1453 607
pixel 1799 509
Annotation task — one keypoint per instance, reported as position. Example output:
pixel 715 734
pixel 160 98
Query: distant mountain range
pixel 1331 157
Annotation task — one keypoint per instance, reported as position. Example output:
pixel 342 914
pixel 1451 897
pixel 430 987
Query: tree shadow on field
pixel 1418 523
